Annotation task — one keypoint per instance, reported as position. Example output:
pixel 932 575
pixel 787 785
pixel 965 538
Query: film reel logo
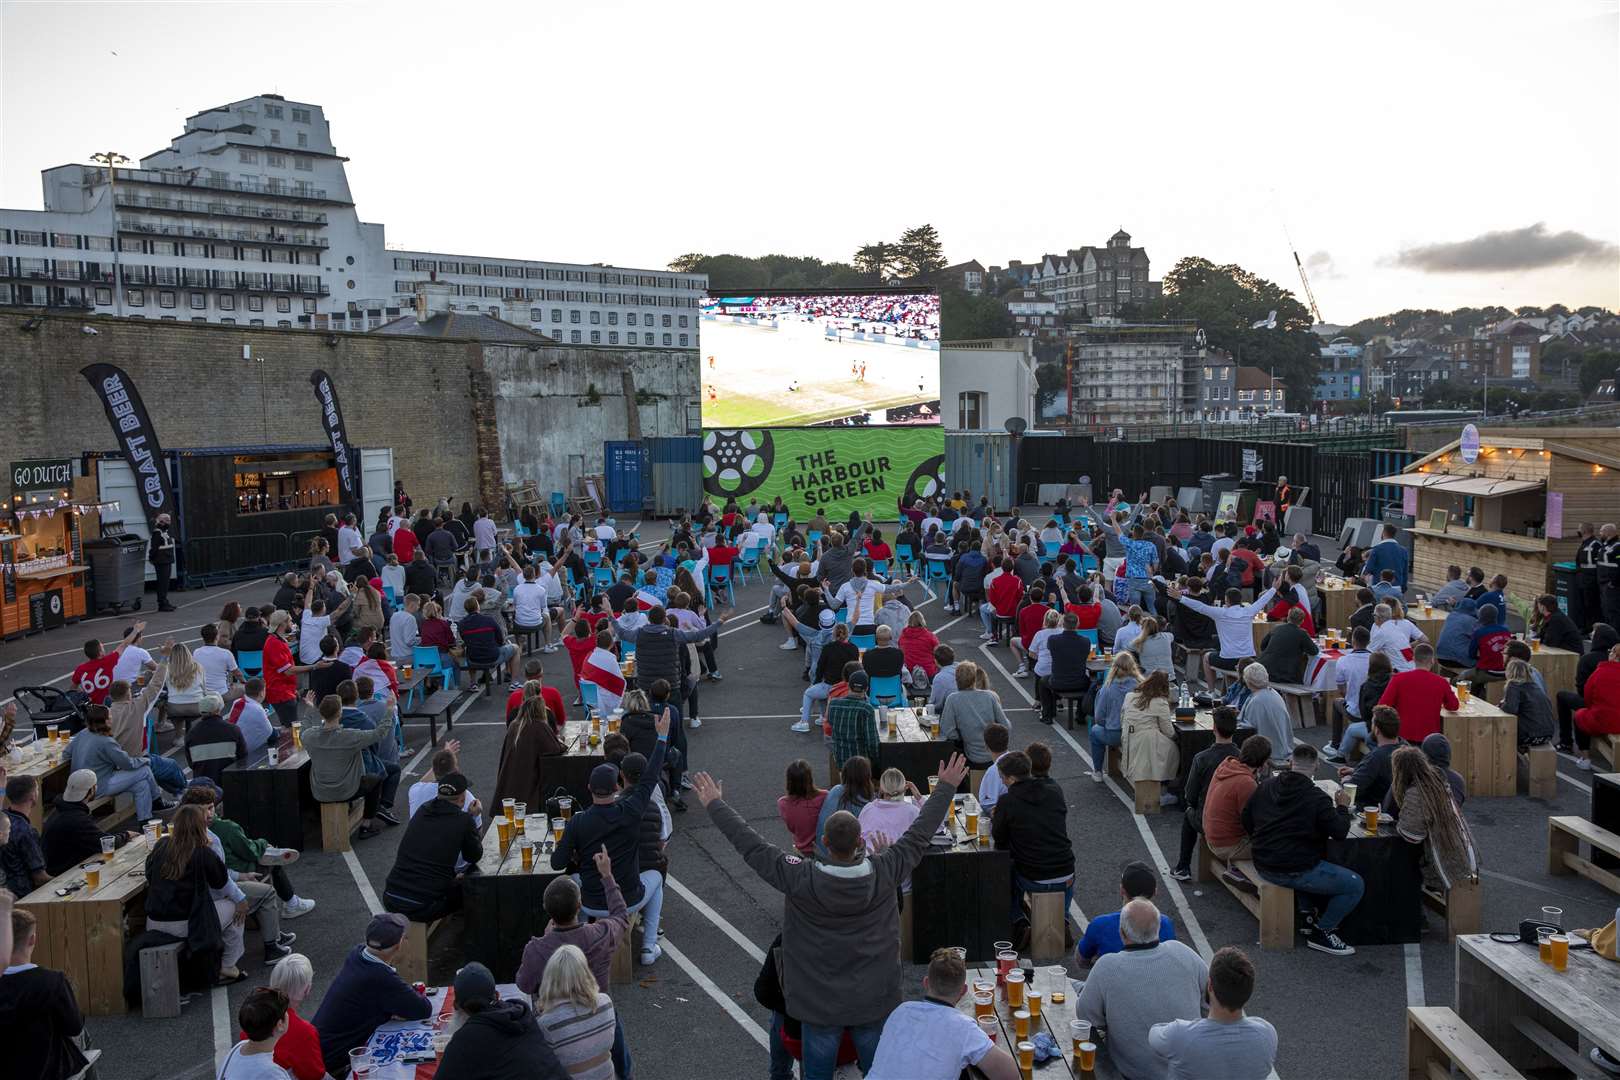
pixel 736 461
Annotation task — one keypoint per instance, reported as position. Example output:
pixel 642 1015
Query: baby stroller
pixel 45 705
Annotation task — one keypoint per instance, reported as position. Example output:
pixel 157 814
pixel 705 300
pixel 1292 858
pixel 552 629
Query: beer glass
pixel 1021 1023
pixel 1015 988
pixel 92 876
pixel 1560 952
pixel 1026 1056
pixel 556 830
pixel 984 1004
pixel 108 843
pixel 1088 1056
pixel 566 805
pixel 154 832
pixel 1080 1032
pixel 1032 997
pixel 526 852
pixel 1370 822
pixel 1544 946
pixel 970 817
pixel 509 807
pixel 933 782
pixel 990 1026
pixel 519 812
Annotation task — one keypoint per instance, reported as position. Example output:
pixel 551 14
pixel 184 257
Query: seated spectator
pixel 1224 722
pixel 1371 776
pixel 1386 587
pixel 1419 695
pixel 1601 716
pixel 1487 649
pixel 991 786
pixel 1604 638
pixel 1105 729
pixel 943 684
pixel 494 1039
pixel 918 644
pixel 1555 629
pixel 1148 748
pixel 1102 936
pixel 176 868
pixel 263 1020
pixel 1455 589
pixel 251 858
pixel 116 771
pixel 1286 650
pixel 1366 603
pixel 248 714
pixel 337 771
pixel 576 1018
pixel 1527 701
pixel 885 659
pixel 597 940
pixel 1153 646
pixel 534 674
pixel 71 834
pixel 367 993
pixel 1457 633
pixel 213 742
pixel 1357 732
pixel 1289 821
pixel 443 763
pixel 22 858
pixel 1031 822
pixel 932 1039
pixel 424 885
pixel 1148 982
pixel 39 1015
pixel 1226 1043
pixel 851 794
pixel 968 712
pixel 530 738
pixel 1428 815
pixel 248 891
pixel 800 807
pixel 220 673
pixel 886 818
pixel 486 643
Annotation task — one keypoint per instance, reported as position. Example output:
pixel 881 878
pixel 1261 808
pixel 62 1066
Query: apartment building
pixel 1133 373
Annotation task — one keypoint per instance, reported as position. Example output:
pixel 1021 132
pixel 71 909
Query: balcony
pixel 194 180
pixel 232 281
pixel 193 232
pixel 219 209
pixel 56 274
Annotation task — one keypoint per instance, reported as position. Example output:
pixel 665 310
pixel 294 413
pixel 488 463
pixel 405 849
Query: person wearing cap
pixel 494 1039
pixel 853 721
pixel 71 834
pixel 366 993
pixel 213 742
pixel 816 639
pixel 424 884
pixel 613 820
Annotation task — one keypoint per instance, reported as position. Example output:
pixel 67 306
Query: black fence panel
pixel 1046 459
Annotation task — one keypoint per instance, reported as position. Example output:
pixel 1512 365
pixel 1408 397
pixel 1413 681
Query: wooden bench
pixel 623 969
pixel 1565 835
pixel 109 810
pixel 1146 792
pixel 160 981
pixel 1462 906
pixel 1070 701
pixel 1607 746
pixel 412 962
pixel 1048 926
pixel 338 820
pixel 1299 699
pixel 437 704
pixel 1274 907
pixel 1541 766
pixel 1437 1039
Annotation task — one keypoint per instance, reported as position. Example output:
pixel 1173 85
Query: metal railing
pixel 190 232
pixel 191 206
pixel 198 180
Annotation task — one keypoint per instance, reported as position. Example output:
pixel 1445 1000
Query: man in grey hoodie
pixel 836 563
pixel 840 919
pixel 1149 982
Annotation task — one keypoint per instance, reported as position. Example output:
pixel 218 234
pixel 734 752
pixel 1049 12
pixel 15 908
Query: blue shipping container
pixel 624 463
pixel 676 464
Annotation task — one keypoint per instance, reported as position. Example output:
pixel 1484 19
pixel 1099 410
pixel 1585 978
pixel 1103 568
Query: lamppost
pixel 112 159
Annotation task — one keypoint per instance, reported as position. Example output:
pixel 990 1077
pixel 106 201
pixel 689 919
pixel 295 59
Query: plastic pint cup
pixel 989 1025
pixel 1080 1032
pixel 1015 988
pixel 1033 998
pixel 1026 1056
pixel 566 805
pixel 92 877
pixel 984 1004
pixel 108 843
pixel 1021 1023
pixel 1088 1056
pixel 1560 952
pixel 526 850
pixel 1370 818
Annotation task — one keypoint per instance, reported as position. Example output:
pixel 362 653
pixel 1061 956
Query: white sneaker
pixel 1584 763
pixel 801 727
pixel 694 723
pixel 1096 777
pixel 297 906
pixel 789 645
pixel 987 637
pixel 1021 673
pixel 650 956
pixel 553 647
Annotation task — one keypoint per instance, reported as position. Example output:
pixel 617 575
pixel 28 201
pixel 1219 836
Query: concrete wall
pixel 1002 368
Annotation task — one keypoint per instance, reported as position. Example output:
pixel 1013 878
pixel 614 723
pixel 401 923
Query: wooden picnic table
pixel 1534 1016
pixel 402 1049
pixel 82 934
pixel 502 903
pixel 1484 747
pixel 51 771
pixel 913 749
pixel 571 770
pixel 273 802
pixel 1338 600
pixel 961 894
pixel 1054 1021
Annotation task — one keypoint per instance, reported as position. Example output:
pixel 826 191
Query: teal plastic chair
pixel 1051 547
pixel 880 568
pixel 429 659
pixel 749 560
pixel 810 538
pixel 602 576
pixel 1092 636
pixel 903 557
pixel 251 663
pixel 720 578
pixel 864 641
pixel 587 697
pixel 887 690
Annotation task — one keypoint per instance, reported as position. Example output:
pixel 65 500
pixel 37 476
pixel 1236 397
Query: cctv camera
pixel 89 330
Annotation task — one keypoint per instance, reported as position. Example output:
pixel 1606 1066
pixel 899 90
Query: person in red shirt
pixel 281 670
pixel 1250 564
pixel 580 641
pixel 93 678
pixel 1419 695
pixel 534 672
pixel 1082 607
pixel 1286 602
pixel 1005 592
pixel 299 1048
pixel 405 545
pixel 877 549
pixel 1601 716
pixel 723 554
pixel 1031 617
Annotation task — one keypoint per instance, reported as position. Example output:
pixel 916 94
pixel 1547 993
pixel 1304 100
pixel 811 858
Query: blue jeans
pixel 169 775
pixel 1354 735
pixel 139 783
pixel 622 1065
pixel 821 1044
pixel 987 615
pixel 651 906
pixel 1342 885
pixel 1101 739
pixel 1022 885
pixel 1140 591
pixel 781 1060
pixel 816 692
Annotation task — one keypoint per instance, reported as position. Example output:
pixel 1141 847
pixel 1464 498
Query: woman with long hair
pixel 182 872
pixel 1105 729
pixel 1149 749
pixel 230 616
pixel 1427 815
pixel 186 686
pixel 529 738
pixel 1153 646
pixel 576 1018
pixel 368 605
pixel 800 807
pixel 853 791
pixel 1529 702
pixel 320 557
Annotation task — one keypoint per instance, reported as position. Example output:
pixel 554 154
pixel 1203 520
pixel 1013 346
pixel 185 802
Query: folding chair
pixel 251 663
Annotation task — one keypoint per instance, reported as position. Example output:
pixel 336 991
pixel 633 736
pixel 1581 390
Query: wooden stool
pixel 1203 867
pixel 975 777
pixel 1298 696
pixel 624 957
pixel 1541 762
pixel 1111 763
pixel 1048 921
pixel 160 981
pixel 1274 907
pixel 1072 699
pixel 338 820
pixel 412 962
pixel 1147 796
pixel 1437 1039
pixel 1606 746
pixel 1462 906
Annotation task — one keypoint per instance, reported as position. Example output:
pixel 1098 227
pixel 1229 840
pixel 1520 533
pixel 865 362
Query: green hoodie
pixel 241 853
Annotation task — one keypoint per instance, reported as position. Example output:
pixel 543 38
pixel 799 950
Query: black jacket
pixel 249 637
pixel 425 866
pixel 1070 653
pixel 1289 821
pixel 1374 774
pixel 71 837
pixel 1560 632
pixel 1199 774
pixel 214 729
pixel 501 1042
pixel 768 988
pixel 171 901
pixel 1603 639
pixel 1362 616
pixel 834 655
pixel 38 1019
pixel 1371 691
pixel 1194 629
pixel 1031 821
pixel 1284 653
pixel 881 663
pixel 420 578
pixel 616 826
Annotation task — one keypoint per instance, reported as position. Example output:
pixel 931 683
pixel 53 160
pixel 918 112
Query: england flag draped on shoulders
pixel 602 668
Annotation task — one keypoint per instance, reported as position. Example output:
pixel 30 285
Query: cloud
pixel 1320 264
pixel 1529 248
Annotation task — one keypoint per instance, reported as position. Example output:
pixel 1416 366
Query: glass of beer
pixel 1006 960
pixel 1544 946
pixel 933 782
pixel 1560 952
pixel 298 736
pixel 1015 988
pixel 1057 984
pixel 92 879
pixel 1370 819
pixel 894 723
pixel 1021 1023
pixel 613 721
pixel 1087 1056
pixel 933 725
pixel 984 1004
pixel 970 816
pixel 154 832
pixel 556 830
pixel 984 829
pixel 565 803
pixel 989 1025
pixel 1026 1055
pixel 1080 1032
pixel 509 807
pixel 519 812
pixel 503 831
pixel 526 853
pixel 1535 644
pixel 1349 793
pixel 596 722
pixel 1032 998
pixel 108 843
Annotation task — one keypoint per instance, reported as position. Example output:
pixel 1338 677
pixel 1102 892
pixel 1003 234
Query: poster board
pixel 829 470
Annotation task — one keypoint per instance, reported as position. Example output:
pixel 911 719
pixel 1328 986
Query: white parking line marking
pixel 719 921
pixel 1414 976
pixel 224 1033
pixel 367 893
pixel 721 998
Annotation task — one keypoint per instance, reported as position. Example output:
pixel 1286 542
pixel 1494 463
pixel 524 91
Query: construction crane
pixel 1310 297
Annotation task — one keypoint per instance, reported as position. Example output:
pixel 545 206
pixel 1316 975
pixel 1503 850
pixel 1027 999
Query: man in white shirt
pixel 404 631
pixel 220 673
pixel 249 716
pixel 766 531
pixel 484 539
pixel 132 659
pixel 349 539
pixel 529 601
pixel 604 531
pixel 932 1039
pixel 1234 624
pixel 862 596
pixel 312 627
pixel 1130 631
pixel 1389 638
pixel 1225 542
pixel 424 791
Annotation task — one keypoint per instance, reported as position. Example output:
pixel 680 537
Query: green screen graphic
pixel 830 470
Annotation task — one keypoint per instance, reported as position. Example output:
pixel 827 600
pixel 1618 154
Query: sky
pixel 1431 154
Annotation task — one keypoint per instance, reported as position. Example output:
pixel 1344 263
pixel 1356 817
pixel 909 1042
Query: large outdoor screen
pixel 819 357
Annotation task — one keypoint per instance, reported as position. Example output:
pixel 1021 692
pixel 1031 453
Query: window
pixel 303 139
pixel 303 164
pixel 309 308
pixel 666 326
pixel 631 337
pixel 300 116
pixel 274 112
pixel 630 319
pixel 683 321
pixel 255 322
pixel 103 296
pixel 135 297
pixel 166 299
pixel 613 337
pixel 970 407
pixel 556 314
pixel 256 303
pixel 197 300
pixel 283 303
pixel 596 337
pixel 285 324
pixel 596 318
pixel 276 161
pixel 667 340
pixel 573 315
pixel 275 136
pixel 683 340
pixel 227 302
pixel 248 157
pixel 573 336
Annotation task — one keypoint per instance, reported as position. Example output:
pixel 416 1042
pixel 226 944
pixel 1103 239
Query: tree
pixel 1445 394
pixel 965 317
pixel 920 252
pixel 1597 367
pixel 746 272
pixel 877 260
pixel 1049 380
pixel 1226 301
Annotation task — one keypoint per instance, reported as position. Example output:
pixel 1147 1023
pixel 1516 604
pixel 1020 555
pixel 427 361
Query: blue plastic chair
pixel 780 520
pixel 937 570
pixel 864 641
pixel 251 663
pixel 880 568
pixel 886 690
pixel 429 659
pixel 624 555
pixel 720 578
pixel 602 576
pixel 810 538
pixel 1089 563
pixel 587 697
pixel 627 649
pixel 1093 637
pixel 842 615
pixel 388 594
pixel 559 504
pixel 749 560
pixel 592 556
pixel 1051 548
pixel 904 559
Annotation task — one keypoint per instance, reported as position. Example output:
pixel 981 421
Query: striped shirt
pixel 582 1041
